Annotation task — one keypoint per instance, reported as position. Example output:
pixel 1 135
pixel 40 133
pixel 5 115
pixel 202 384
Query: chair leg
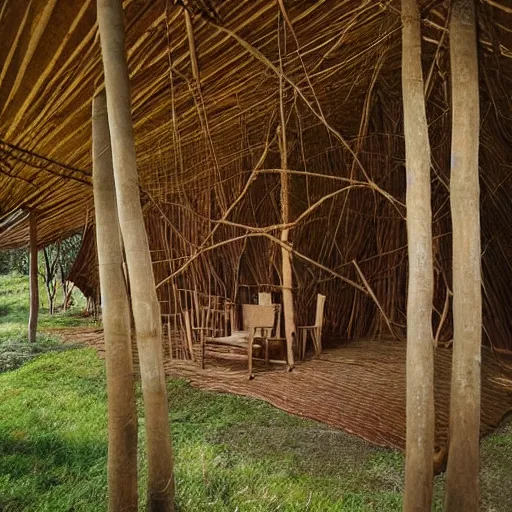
pixel 304 342
pixel 319 340
pixel 316 341
pixel 249 356
pixel 203 350
pixel 267 359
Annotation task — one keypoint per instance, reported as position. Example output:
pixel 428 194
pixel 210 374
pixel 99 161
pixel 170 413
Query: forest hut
pixel 269 136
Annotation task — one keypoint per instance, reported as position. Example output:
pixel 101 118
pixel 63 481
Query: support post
pixel 462 483
pixel 288 307
pixel 145 306
pixel 34 282
pixel 286 256
pixel 420 339
pixel 122 412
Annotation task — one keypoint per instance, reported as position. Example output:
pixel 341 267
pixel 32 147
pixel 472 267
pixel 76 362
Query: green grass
pixel 231 453
pixel 14 307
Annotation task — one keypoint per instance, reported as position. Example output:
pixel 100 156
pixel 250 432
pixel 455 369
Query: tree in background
pixel 48 271
pixel 55 261
pixel 69 250
pixel 14 260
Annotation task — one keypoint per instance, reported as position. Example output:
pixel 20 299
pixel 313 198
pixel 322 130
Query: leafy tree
pixel 55 262
pixel 15 260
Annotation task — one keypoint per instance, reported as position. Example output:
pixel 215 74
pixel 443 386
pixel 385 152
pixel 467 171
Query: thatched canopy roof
pixel 205 118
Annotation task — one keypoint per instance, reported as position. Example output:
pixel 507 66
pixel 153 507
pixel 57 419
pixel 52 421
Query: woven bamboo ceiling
pixel 336 53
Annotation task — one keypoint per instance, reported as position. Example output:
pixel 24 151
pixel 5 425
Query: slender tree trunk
pixel 122 412
pixel 420 340
pixel 286 256
pixel 462 485
pixel 146 310
pixel 288 307
pixel 34 282
pixel 49 280
pixel 64 285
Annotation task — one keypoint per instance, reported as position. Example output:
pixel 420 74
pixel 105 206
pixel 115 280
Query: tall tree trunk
pixel 462 486
pixel 146 310
pixel 420 340
pixel 49 280
pixel 286 256
pixel 34 282
pixel 122 412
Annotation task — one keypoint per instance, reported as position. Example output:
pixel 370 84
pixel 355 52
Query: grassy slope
pixel 231 453
pixel 14 349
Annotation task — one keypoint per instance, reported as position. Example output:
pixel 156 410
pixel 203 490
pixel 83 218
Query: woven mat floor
pixel 358 388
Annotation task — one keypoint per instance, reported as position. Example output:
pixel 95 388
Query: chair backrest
pixel 265 299
pixel 220 318
pixel 320 303
pixel 258 316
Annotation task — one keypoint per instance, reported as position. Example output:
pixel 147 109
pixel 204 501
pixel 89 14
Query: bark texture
pixel 462 485
pixel 34 283
pixel 145 306
pixel 122 412
pixel 420 342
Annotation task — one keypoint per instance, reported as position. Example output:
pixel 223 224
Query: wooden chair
pixel 263 323
pixel 218 328
pixel 315 331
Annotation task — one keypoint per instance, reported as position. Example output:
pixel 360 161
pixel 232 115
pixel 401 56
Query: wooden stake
pixel 122 412
pixel 146 309
pixel 286 256
pixel 34 282
pixel 420 339
pixel 462 485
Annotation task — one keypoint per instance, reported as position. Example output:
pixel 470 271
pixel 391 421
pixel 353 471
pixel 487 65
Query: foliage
pixel 15 260
pixel 55 261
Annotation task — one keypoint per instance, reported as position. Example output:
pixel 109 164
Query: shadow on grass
pixel 46 472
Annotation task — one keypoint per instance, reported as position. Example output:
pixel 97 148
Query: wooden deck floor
pixel 359 388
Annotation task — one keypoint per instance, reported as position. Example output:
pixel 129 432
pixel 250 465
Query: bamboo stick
pixel 122 412
pixel 145 305
pixel 420 352
pixel 462 482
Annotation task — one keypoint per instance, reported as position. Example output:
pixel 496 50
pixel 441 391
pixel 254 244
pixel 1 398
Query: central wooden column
pixel 122 412
pixel 462 485
pixel 420 339
pixel 146 310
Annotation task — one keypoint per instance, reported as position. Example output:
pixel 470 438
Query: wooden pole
pixel 145 306
pixel 420 339
pixel 34 282
pixel 462 485
pixel 122 411
pixel 286 256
